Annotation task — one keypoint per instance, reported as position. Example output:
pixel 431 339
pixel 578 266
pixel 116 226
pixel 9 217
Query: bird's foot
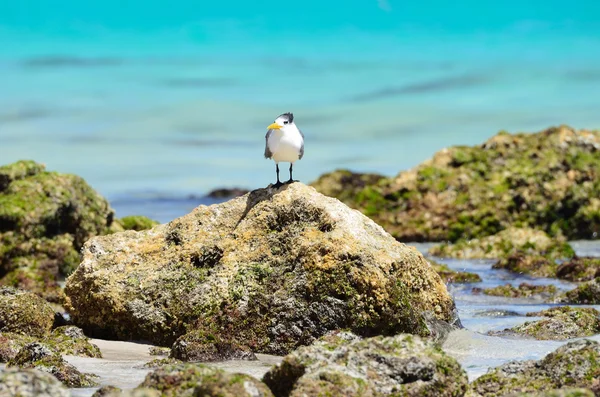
pixel 288 182
pixel 277 185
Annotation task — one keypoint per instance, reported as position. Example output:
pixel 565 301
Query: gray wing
pixel 268 153
pixel 302 148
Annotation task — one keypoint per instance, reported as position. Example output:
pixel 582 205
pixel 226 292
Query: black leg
pixel 291 177
pixel 278 184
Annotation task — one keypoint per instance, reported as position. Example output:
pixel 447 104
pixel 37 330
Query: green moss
pixel 524 290
pixel 137 222
pixel 24 313
pixel 453 276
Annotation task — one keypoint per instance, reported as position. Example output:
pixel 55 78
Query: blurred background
pixel 155 103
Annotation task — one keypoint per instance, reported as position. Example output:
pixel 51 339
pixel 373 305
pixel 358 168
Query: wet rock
pixel 533 265
pixel 400 365
pixel 548 179
pixel 497 313
pixel 199 346
pixel 271 270
pixel 576 364
pixel 11 343
pixel 159 351
pixel 134 222
pixel 41 357
pixel 160 362
pixel 454 276
pixel 194 379
pixel 587 293
pixel 524 290
pixel 227 193
pixel 510 241
pixel 71 341
pixel 559 323
pixel 24 313
pixel 564 392
pixel 45 217
pixel 112 391
pixel 348 186
pixel 108 391
pixel 579 269
pixel 30 383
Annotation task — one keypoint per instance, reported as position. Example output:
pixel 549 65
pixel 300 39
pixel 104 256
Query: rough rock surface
pixel 45 217
pixel 559 323
pixel 200 380
pixel 24 313
pixel 576 364
pixel 524 290
pixel 271 270
pixel 579 269
pixel 549 180
pixel 453 276
pixel 200 347
pixel 11 343
pixel 403 365
pixel 133 222
pixel 564 392
pixel 587 293
pixel 41 357
pixel 30 383
pixel 509 241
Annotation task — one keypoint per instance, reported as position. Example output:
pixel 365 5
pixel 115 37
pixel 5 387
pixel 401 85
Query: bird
pixel 284 142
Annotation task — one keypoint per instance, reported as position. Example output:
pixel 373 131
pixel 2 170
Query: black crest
pixel 289 116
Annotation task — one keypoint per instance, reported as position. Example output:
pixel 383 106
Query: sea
pixel 156 103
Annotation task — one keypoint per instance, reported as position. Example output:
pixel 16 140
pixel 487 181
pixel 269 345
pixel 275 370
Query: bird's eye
pixel 285 122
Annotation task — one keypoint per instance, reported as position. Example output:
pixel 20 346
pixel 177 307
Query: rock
pixel 348 187
pixel 579 269
pixel 271 270
pixel 454 276
pixel 533 265
pixel 564 392
pixel 108 391
pixel 559 323
pixel 576 364
pixel 41 357
pixel 159 351
pixel 194 379
pixel 161 362
pixel 510 241
pixel 227 193
pixel 24 313
pixel 587 293
pixel 399 365
pixel 11 343
pixel 45 217
pixel 198 346
pixel 136 222
pixel 223 384
pixel 30 383
pixel 112 391
pixel 71 341
pixel 548 180
pixel 524 290
pixel 497 313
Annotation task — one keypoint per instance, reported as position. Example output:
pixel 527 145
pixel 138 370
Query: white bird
pixel 284 142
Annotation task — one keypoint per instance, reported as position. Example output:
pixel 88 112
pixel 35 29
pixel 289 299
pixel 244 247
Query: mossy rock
pixel 137 222
pixel 454 276
pixel 161 362
pixel 71 341
pixel 579 269
pixel 159 351
pixel 198 346
pixel 45 217
pixel 346 185
pixel 508 242
pixel 223 384
pixel 524 290
pixel 587 293
pixel 559 323
pixel 39 356
pixel 108 391
pixel 576 364
pixel 413 367
pixel 271 271
pixel 24 313
pixel 30 383
pixel 550 180
pixel 184 379
pixel 564 392
pixel 11 344
pixel 532 265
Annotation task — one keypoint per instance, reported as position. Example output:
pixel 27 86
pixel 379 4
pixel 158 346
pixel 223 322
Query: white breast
pixel 285 144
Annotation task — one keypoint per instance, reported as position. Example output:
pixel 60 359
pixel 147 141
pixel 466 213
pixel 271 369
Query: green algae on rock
pixel 453 276
pixel 559 323
pixel 587 293
pixel 24 313
pixel 272 270
pixel 579 269
pixel 11 343
pixel 524 290
pixel 563 392
pixel 185 379
pixel 346 185
pixel 576 364
pixel 549 180
pixel 39 356
pixel 134 222
pixel 201 347
pixel 30 383
pixel 112 391
pixel 402 365
pixel 45 217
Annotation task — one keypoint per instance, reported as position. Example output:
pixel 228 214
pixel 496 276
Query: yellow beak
pixel 274 126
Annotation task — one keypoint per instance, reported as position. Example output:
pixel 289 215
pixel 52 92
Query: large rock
pixel 24 313
pixel 30 383
pixel 271 270
pixel 587 293
pixel 576 364
pixel 579 269
pixel 548 180
pixel 402 365
pixel 45 217
pixel 524 290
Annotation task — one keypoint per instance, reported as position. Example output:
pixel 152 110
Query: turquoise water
pixel 152 102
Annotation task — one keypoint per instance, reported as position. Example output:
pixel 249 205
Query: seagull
pixel 284 142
